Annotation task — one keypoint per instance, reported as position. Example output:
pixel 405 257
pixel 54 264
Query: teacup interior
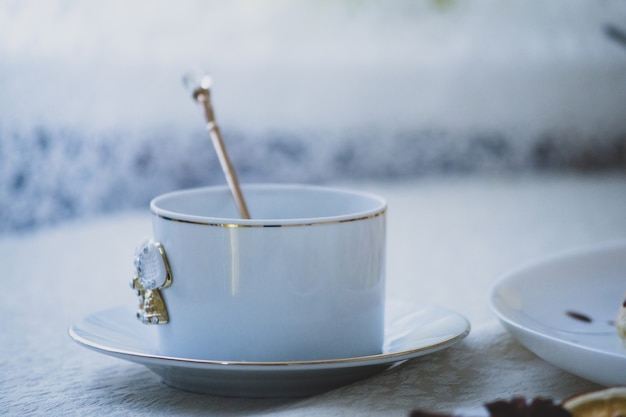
pixel 284 203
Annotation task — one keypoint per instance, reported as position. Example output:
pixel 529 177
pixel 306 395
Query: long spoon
pixel 202 94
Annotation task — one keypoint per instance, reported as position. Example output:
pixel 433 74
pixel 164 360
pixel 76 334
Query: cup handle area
pixel 152 274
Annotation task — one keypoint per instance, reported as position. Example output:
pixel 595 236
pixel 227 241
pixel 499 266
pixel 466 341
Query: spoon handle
pixel 203 95
pixel 227 167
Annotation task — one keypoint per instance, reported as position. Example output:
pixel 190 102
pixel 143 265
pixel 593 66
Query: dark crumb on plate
pixel 579 316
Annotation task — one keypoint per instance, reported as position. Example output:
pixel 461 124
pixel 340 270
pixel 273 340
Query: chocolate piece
pixel 516 407
pixel 519 407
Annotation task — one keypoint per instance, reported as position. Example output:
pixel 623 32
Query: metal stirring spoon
pixel 202 93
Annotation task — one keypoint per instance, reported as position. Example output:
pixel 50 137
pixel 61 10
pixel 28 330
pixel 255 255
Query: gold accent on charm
pixel 152 308
pixel 152 262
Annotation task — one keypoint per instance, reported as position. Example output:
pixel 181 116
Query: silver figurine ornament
pixel 152 274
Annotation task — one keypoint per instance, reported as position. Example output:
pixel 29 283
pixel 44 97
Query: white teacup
pixel 304 279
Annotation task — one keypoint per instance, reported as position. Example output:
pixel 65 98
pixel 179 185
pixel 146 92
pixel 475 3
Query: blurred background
pixel 94 117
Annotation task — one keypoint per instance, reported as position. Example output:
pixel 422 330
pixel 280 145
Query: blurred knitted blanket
pixel 94 118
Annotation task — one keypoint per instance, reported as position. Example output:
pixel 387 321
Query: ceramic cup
pixel 303 280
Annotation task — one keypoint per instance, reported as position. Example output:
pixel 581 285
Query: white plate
pixel 533 304
pixel 411 331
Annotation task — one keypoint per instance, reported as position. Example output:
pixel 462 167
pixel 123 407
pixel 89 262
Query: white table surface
pixel 449 239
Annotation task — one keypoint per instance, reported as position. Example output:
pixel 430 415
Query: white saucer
pixel 533 304
pixel 411 331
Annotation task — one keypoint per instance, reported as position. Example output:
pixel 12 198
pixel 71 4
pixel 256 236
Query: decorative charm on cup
pixel 152 273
